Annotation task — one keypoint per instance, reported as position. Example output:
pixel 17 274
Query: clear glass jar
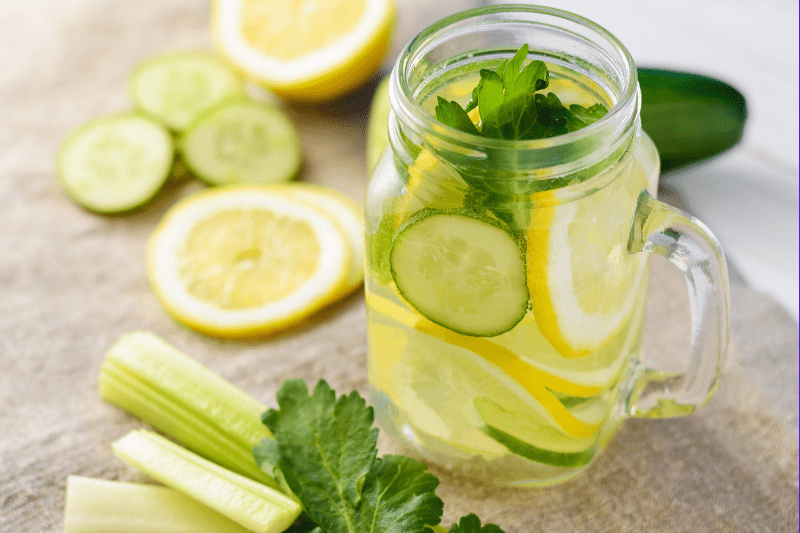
pixel 527 400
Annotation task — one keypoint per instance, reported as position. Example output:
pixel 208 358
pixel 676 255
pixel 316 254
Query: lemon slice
pixel 306 50
pixel 473 361
pixel 432 182
pixel 584 284
pixel 346 213
pixel 245 260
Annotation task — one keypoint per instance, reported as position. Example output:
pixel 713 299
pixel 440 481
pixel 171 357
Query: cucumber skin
pixel 110 117
pixel 689 117
pixel 477 215
pixel 540 455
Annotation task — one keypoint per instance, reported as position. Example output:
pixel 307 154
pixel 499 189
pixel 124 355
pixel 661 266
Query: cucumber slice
pixel 177 88
pixel 540 443
pixel 115 163
pixel 242 142
pixel 461 270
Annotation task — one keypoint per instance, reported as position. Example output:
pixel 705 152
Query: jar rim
pixel 410 111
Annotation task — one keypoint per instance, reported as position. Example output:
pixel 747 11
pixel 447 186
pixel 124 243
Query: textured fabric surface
pixel 72 282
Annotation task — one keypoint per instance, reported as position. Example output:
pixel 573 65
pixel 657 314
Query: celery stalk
pixel 185 400
pixel 248 503
pixel 102 506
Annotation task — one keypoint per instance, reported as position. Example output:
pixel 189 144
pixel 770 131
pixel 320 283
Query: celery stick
pixel 177 395
pixel 177 375
pixel 183 425
pixel 247 502
pixel 102 506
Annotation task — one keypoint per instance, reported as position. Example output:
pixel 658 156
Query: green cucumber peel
pixel 689 117
pixel 532 441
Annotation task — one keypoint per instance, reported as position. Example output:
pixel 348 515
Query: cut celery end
pixel 103 506
pixel 246 502
pixel 184 426
pixel 177 395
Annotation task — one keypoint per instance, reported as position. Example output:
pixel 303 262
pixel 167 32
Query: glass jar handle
pixel 666 231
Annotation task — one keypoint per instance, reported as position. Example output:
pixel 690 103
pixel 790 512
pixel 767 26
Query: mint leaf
pixel 587 116
pixel 327 454
pixel 453 115
pixel 511 107
pixel 490 101
pixel 472 524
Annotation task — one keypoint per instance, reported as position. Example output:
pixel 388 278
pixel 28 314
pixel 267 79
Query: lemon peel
pixel 243 260
pixel 308 51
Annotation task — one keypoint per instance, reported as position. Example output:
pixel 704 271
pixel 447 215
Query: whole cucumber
pixel 689 117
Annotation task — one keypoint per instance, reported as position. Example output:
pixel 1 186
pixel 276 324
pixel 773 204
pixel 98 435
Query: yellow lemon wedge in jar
pixel 305 50
pixel 246 260
pixel 584 284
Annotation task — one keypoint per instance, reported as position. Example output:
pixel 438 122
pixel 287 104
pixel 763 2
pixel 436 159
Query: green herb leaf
pixel 511 108
pixel 472 524
pixel 327 455
pixel 399 497
pixel 453 115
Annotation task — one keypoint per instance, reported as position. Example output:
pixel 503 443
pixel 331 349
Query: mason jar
pixel 506 279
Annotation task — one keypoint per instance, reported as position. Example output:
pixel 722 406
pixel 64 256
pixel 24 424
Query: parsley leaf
pixel 472 524
pixel 327 455
pixel 511 107
pixel 453 115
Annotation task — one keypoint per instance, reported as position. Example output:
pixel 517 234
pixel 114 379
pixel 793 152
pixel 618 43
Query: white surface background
pixel 749 195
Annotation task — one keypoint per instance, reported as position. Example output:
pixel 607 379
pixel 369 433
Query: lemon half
pixel 245 260
pixel 305 50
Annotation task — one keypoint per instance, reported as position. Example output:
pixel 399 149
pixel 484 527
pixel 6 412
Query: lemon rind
pixel 316 76
pixel 314 294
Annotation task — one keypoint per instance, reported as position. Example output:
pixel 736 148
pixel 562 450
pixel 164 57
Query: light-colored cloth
pixel 72 282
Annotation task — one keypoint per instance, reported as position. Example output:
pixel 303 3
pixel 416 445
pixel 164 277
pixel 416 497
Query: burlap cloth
pixel 73 282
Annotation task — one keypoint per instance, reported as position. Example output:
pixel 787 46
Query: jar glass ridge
pixel 486 36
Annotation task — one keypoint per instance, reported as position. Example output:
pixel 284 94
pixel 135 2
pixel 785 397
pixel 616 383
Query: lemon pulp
pixel 300 26
pixel 227 256
pixel 245 260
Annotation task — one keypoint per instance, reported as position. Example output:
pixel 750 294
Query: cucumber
pixel 176 88
pixel 115 163
pixel 526 438
pixel 689 117
pixel 462 270
pixel 242 142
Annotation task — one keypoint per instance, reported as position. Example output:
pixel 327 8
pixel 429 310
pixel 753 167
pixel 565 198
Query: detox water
pixel 534 404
